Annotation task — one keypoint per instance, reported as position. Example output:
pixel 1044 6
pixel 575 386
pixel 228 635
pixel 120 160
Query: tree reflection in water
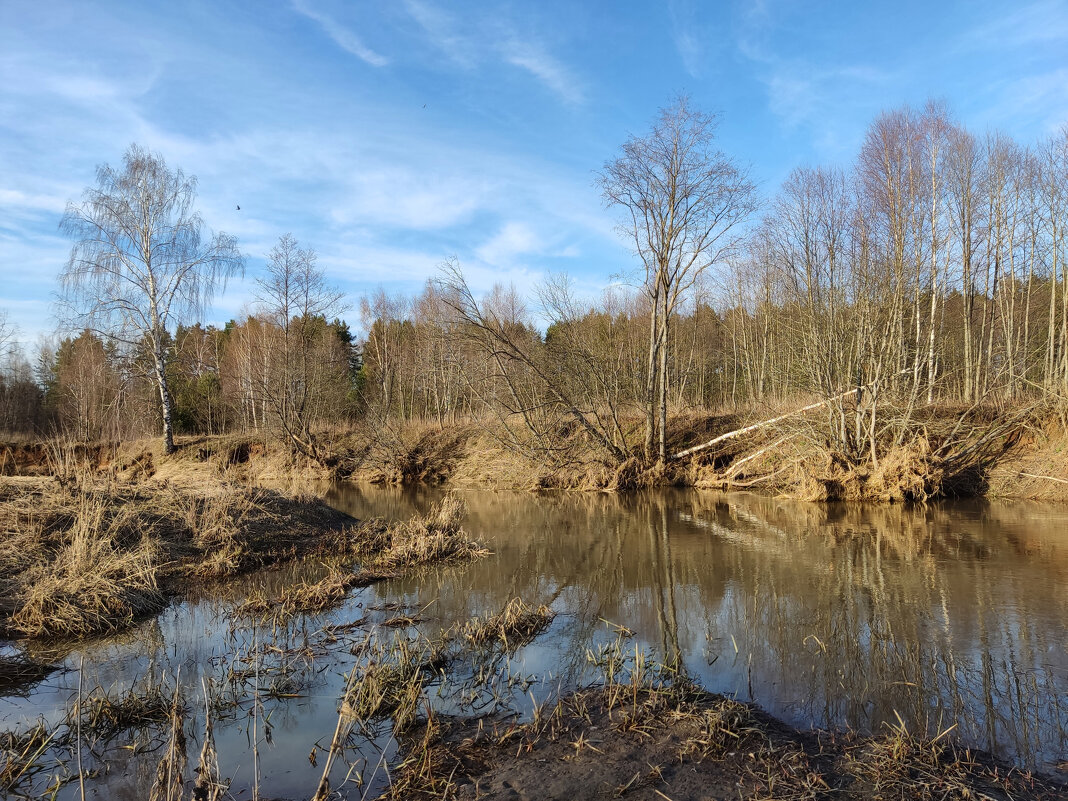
pixel 827 615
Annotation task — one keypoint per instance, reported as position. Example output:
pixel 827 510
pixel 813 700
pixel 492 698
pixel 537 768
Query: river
pixel 841 615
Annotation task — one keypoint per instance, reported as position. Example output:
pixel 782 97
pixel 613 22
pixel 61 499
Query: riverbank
pixel 648 739
pixel 1019 453
pixel 85 554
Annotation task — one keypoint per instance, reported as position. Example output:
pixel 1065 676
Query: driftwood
pixel 1048 478
pixel 755 426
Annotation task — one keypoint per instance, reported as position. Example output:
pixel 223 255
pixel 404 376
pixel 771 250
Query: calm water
pixel 837 616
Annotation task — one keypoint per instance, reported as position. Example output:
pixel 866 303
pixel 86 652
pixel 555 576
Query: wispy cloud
pixel 688 36
pixel 342 36
pixel 1040 96
pixel 800 93
pixel 17 201
pixel 530 56
pixel 492 41
pixel 820 94
pixel 512 240
pixel 1039 23
pixel 441 30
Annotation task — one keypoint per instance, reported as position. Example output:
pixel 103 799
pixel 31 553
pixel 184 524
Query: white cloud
pixel 343 37
pixel 383 197
pixel 441 29
pixel 689 36
pixel 407 197
pixel 512 240
pixel 1024 26
pixel 14 201
pixel 489 40
pixel 1041 96
pixel 530 56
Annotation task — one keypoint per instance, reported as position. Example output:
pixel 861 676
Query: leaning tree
pixel 141 263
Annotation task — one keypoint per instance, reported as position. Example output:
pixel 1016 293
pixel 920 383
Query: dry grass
pixel 18 671
pixel 647 728
pixel 391 680
pixel 21 753
pixel 101 575
pixel 307 598
pixel 217 522
pixel 384 551
pixel 516 625
pixel 105 714
pixel 428 539
pixel 93 556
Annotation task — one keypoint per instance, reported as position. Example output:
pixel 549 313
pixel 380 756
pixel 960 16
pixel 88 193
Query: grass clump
pixel 97 576
pixel 20 755
pixel 105 714
pixel 315 597
pixel 391 679
pixel 91 557
pixel 384 551
pixel 435 537
pixel 516 625
pixel 903 765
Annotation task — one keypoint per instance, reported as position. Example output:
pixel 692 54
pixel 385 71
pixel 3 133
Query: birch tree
pixel 142 263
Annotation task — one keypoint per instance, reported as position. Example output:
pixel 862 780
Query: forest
pixel 929 273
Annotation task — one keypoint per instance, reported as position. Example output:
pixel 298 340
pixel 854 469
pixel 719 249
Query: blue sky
pixel 389 135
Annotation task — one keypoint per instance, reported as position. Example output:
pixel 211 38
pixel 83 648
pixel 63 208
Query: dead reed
pixel 644 728
pixel 433 538
pixel 93 557
pixel 384 551
pixel 101 575
pixel 392 678
pixel 21 755
pixel 104 714
pixel 315 597
pixel 516 625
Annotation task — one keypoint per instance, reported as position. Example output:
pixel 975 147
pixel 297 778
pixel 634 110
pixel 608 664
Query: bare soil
pixel 690 748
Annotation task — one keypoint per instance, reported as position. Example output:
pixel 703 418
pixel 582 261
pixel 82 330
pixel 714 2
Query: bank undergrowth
pixel 92 556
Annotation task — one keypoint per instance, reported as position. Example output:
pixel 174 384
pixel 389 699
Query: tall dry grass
pixel 97 576
pixel 90 555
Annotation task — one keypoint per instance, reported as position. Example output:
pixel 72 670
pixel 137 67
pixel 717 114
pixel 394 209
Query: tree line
pixel 931 270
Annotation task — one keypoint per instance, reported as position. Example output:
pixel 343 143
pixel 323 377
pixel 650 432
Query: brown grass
pixel 433 538
pixel 93 556
pixel 516 625
pixel 100 577
pixel 391 681
pixel 327 592
pixel 20 754
pixel 104 714
pixel 658 732
pixel 384 550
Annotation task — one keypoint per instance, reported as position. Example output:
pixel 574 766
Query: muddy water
pixel 840 616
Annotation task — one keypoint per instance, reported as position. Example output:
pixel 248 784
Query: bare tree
pixel 7 338
pixel 383 316
pixel 683 201
pixel 529 385
pixel 296 296
pixel 140 265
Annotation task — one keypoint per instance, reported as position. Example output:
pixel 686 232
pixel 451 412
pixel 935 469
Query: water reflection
pixel 829 615
pixel 840 615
